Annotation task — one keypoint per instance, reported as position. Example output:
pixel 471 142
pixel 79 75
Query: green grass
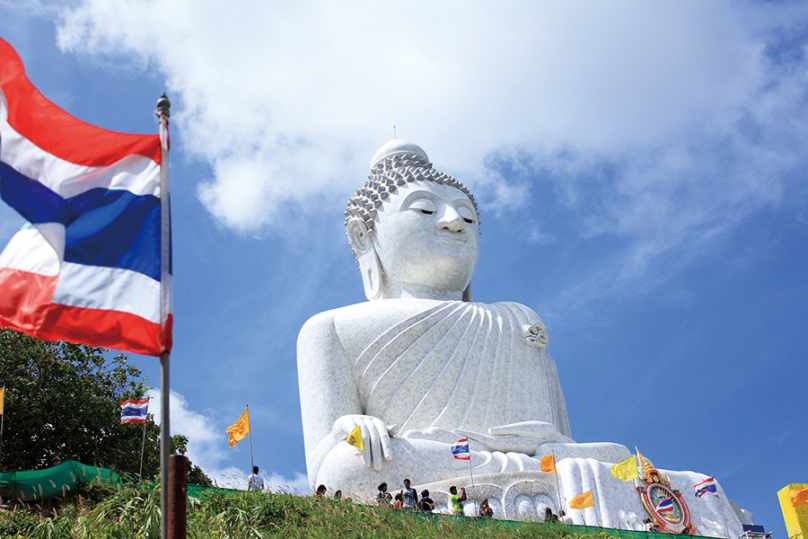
pixel 100 512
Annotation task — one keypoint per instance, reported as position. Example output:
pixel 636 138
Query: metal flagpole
pixel 721 508
pixel 2 417
pixel 558 485
pixel 165 442
pixel 143 448
pixel 163 108
pixel 370 485
pixel 595 508
pixel 252 464
pixel 470 471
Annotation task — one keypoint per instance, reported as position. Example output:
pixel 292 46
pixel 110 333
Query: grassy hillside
pixel 133 512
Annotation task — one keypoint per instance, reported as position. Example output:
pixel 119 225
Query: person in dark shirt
pixel 383 497
pixel 425 504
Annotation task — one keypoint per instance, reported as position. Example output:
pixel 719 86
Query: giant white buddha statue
pixel 419 365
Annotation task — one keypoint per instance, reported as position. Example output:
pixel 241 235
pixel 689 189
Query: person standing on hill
pixel 409 496
pixel 255 483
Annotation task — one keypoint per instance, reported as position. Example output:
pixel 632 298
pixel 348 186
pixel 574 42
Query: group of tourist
pixel 407 499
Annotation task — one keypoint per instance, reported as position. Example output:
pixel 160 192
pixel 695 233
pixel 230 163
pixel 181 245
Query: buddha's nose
pixel 451 220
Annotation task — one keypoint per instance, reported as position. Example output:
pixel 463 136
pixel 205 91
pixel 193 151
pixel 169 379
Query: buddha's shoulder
pixel 374 316
pixel 361 313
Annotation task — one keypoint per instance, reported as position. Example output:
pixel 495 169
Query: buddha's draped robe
pixel 459 365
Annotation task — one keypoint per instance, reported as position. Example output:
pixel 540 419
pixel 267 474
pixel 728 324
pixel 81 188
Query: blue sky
pixel 640 168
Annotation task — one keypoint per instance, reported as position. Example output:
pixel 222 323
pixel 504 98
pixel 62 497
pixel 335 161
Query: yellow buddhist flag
pixel 795 511
pixel 240 428
pixel 626 470
pixel 355 439
pixel 548 464
pixel 2 399
pixel 798 497
pixel 583 501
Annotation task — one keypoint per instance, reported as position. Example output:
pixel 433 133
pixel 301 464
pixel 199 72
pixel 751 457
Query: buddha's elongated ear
pixel 360 239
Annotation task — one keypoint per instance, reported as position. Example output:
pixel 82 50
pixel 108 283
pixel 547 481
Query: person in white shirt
pixel 255 483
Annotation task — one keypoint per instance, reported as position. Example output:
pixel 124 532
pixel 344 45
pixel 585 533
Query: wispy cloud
pixel 286 103
pixel 204 433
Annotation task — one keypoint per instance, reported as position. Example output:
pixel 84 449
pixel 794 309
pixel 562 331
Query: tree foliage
pixel 63 402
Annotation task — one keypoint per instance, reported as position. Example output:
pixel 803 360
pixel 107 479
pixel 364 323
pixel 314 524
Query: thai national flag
pixel 134 411
pixel 708 485
pixel 89 266
pixel 460 449
pixel 665 505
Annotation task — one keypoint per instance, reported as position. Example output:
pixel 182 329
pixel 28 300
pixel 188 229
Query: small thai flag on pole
pixel 708 485
pixel 134 411
pixel 460 449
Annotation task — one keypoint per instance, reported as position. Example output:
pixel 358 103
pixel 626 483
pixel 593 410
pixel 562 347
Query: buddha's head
pixel 414 230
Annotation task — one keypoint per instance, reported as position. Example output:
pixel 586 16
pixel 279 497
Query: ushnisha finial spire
pixel 163 106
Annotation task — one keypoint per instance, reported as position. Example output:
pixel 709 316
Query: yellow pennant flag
pixel 626 470
pixel 240 428
pixel 548 464
pixel 799 497
pixel 583 501
pixel 355 439
pixel 2 399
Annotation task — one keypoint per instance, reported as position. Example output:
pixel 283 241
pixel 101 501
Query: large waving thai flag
pixel 708 485
pixel 89 266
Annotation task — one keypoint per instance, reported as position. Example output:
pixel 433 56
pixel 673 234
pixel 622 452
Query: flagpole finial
pixel 163 106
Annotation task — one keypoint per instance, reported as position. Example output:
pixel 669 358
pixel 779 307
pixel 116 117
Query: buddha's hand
pixel 523 437
pixel 375 437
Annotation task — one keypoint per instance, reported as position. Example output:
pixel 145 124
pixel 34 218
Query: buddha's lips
pixel 453 238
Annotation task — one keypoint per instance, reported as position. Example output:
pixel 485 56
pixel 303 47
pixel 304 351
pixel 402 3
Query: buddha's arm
pixel 329 399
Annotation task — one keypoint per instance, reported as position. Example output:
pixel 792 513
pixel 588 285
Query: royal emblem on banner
pixel 662 500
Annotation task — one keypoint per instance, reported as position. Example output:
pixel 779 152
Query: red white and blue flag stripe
pixel 134 411
pixel 708 485
pixel 665 505
pixel 89 266
pixel 460 449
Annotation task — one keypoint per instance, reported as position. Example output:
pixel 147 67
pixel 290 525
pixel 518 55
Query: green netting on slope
pixel 59 480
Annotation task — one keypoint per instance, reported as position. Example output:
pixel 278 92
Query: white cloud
pixel 286 102
pixel 206 449
pixel 232 477
pixel 205 436
pixel 663 124
pixel 297 484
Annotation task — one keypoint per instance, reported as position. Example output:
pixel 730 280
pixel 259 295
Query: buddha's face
pixel 427 234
